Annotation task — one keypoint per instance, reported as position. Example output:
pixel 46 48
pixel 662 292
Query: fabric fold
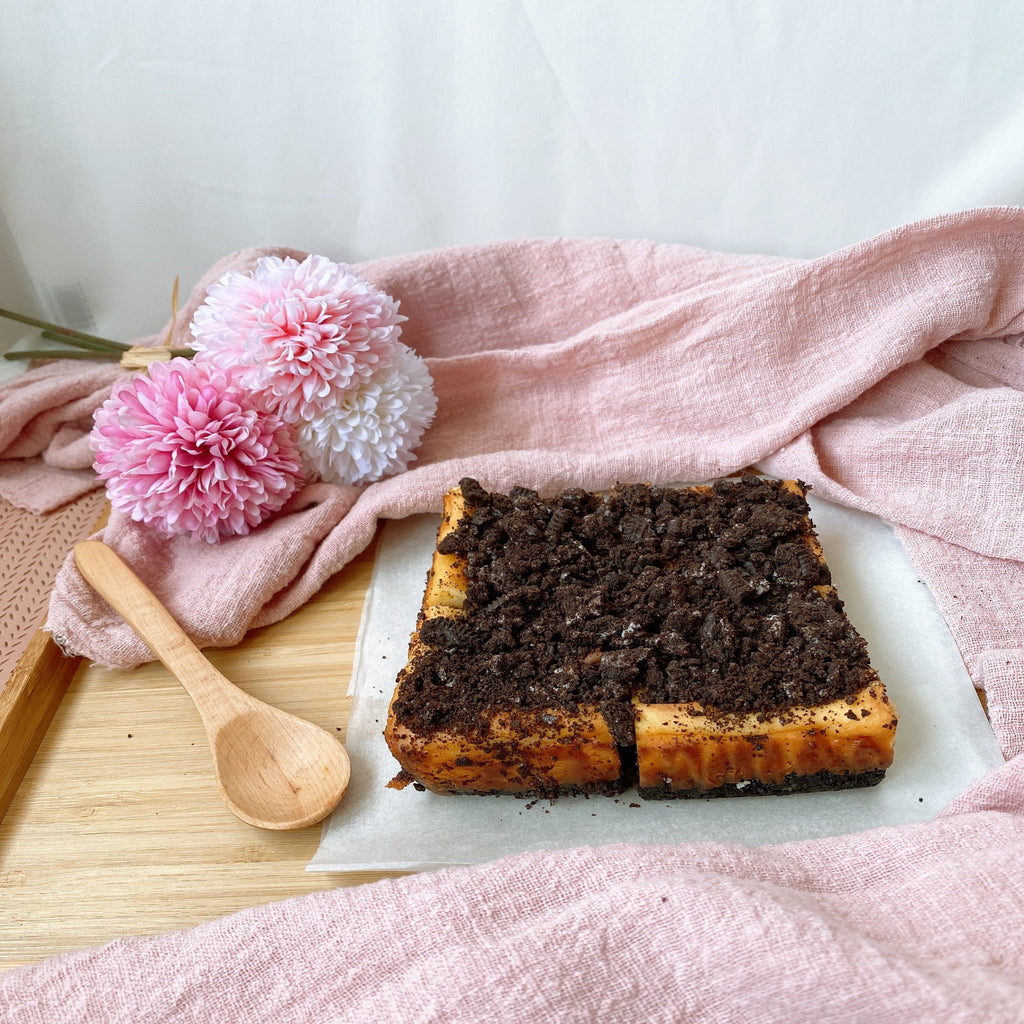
pixel 45 419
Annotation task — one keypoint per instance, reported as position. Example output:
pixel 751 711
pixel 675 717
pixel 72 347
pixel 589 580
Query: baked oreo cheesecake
pixel 687 641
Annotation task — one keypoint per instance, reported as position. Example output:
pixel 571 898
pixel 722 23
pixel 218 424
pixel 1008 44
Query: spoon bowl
pixel 278 795
pixel 274 770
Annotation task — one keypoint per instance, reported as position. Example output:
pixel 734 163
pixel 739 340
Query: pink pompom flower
pixel 372 431
pixel 297 333
pixel 187 450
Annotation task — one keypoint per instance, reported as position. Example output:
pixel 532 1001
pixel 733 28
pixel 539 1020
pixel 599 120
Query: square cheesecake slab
pixel 687 640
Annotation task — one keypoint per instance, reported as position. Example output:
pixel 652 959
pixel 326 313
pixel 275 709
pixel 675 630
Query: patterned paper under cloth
pixel 34 548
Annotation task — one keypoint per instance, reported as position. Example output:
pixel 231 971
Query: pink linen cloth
pixel 921 923
pixel 45 419
pixel 890 376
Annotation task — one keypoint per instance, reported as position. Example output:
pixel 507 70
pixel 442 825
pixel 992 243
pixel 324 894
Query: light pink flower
pixel 186 449
pixel 298 333
pixel 373 430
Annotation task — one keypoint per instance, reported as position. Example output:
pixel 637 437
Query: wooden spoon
pixel 274 770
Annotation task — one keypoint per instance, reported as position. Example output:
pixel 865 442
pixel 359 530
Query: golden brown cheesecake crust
pixel 687 639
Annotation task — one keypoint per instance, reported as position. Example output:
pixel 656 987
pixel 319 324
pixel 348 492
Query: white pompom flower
pixel 373 429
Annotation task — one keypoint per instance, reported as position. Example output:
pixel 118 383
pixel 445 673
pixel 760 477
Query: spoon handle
pixel 115 582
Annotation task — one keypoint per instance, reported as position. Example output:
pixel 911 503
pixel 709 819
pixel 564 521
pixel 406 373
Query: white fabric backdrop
pixel 140 140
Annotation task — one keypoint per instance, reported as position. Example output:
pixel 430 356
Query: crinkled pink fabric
pixel 45 419
pixel 889 376
pixel 919 923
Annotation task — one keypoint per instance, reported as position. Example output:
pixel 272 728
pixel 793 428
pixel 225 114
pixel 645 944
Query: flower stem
pixel 93 345
pixel 53 353
pixel 68 335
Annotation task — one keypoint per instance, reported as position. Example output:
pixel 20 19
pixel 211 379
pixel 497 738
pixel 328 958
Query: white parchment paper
pixel 943 742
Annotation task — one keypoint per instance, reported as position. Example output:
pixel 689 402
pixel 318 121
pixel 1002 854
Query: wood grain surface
pixel 117 828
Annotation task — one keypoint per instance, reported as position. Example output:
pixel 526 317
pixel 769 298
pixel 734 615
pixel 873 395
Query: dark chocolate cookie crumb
pixel 709 595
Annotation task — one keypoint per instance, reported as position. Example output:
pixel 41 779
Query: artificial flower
pixel 187 450
pixel 372 430
pixel 297 333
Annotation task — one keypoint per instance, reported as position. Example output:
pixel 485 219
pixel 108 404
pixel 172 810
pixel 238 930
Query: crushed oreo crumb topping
pixel 709 595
